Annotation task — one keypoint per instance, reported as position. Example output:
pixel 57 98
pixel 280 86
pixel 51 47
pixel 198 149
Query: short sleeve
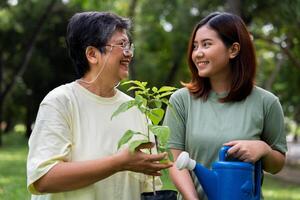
pixel 51 139
pixel 274 131
pixel 175 120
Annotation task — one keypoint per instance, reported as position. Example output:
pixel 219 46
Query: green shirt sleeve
pixel 274 132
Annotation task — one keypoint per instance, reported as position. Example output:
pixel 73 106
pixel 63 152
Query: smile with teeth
pixel 202 63
pixel 125 62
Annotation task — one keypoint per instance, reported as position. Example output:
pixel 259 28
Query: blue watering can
pixel 228 180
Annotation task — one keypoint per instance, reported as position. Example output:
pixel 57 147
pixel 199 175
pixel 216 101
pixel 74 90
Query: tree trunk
pixel 26 58
pixel 1 102
pixel 29 115
pixel 171 76
pixel 275 72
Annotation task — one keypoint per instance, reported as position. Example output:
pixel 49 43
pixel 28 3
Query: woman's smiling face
pixel 210 55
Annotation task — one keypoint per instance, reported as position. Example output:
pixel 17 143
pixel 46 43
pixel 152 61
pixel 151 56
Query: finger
pixel 153 173
pixel 244 158
pixel 157 157
pixel 230 143
pixel 233 150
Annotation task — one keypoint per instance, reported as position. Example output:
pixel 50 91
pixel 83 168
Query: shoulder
pixel 182 93
pixel 181 99
pixel 264 99
pixel 263 95
pixel 124 97
pixel 61 94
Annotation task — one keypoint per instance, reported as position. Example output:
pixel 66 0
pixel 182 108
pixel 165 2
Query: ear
pixel 92 54
pixel 234 50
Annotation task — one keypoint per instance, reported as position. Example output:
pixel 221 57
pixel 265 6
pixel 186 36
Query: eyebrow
pixel 204 40
pixel 121 40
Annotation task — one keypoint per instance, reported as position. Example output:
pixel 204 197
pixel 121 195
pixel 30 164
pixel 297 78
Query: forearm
pixel 273 161
pixel 183 180
pixel 184 183
pixel 67 176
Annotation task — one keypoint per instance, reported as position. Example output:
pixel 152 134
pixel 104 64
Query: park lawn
pixel 13 167
pixel 275 189
pixel 13 174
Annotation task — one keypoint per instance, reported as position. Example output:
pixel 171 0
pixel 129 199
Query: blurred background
pixel 34 60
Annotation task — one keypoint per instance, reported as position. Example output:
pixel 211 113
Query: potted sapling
pixel 151 102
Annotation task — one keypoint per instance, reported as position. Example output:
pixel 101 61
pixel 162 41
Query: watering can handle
pixel 258 174
pixel 223 153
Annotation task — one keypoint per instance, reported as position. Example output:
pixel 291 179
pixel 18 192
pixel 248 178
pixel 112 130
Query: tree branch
pixel 284 50
pixel 28 49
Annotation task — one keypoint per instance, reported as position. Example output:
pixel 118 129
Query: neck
pixel 99 88
pixel 220 86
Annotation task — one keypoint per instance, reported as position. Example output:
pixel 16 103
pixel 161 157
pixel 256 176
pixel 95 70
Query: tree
pixel 27 45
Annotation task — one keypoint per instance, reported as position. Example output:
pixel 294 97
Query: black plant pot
pixel 160 195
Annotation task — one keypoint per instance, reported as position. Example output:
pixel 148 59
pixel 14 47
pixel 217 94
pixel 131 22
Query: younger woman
pixel 221 105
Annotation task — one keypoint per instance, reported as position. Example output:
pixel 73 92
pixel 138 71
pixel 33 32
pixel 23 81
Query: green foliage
pixel 150 102
pixel 160 33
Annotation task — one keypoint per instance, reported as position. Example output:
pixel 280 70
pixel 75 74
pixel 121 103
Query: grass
pixel 13 174
pixel 13 167
pixel 275 189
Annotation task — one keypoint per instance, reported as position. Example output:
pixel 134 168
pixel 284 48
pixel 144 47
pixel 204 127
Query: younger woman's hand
pixel 248 150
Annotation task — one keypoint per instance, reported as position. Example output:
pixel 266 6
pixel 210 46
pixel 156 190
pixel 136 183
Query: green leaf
pixel 155 103
pixel 134 144
pixel 165 94
pixel 156 115
pixel 170 155
pixel 140 84
pixel 154 89
pixel 134 88
pixel 162 133
pixel 125 138
pixel 124 107
pixel 140 100
pixel 166 89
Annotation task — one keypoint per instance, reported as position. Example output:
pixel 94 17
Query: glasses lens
pixel 128 49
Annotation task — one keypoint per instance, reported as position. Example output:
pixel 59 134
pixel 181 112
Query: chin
pixel 124 75
pixel 203 75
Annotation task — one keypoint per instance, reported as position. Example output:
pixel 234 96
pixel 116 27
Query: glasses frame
pixel 128 48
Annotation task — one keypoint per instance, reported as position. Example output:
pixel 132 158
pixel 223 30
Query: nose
pixel 128 53
pixel 199 53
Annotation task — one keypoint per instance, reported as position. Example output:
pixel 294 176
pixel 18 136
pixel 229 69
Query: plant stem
pixel 153 178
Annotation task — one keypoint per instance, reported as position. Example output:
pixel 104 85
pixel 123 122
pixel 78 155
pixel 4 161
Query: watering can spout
pixel 206 177
pixel 228 179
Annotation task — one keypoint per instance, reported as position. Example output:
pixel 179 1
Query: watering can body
pixel 228 180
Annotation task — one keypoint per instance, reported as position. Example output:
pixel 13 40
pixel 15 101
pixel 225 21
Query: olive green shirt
pixel 202 127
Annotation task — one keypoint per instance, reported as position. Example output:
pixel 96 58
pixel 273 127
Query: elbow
pixel 276 167
pixel 40 186
pixel 275 171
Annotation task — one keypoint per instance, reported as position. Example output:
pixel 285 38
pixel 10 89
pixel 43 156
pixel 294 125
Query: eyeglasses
pixel 128 48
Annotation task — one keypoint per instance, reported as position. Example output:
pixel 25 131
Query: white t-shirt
pixel 74 124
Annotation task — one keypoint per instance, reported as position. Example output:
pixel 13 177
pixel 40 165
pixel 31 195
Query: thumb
pixel 230 143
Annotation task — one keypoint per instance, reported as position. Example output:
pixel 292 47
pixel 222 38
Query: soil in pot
pixel 160 195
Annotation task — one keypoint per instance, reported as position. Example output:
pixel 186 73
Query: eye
pixel 206 44
pixel 195 46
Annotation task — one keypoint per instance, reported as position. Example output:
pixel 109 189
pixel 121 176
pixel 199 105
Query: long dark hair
pixel 230 29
